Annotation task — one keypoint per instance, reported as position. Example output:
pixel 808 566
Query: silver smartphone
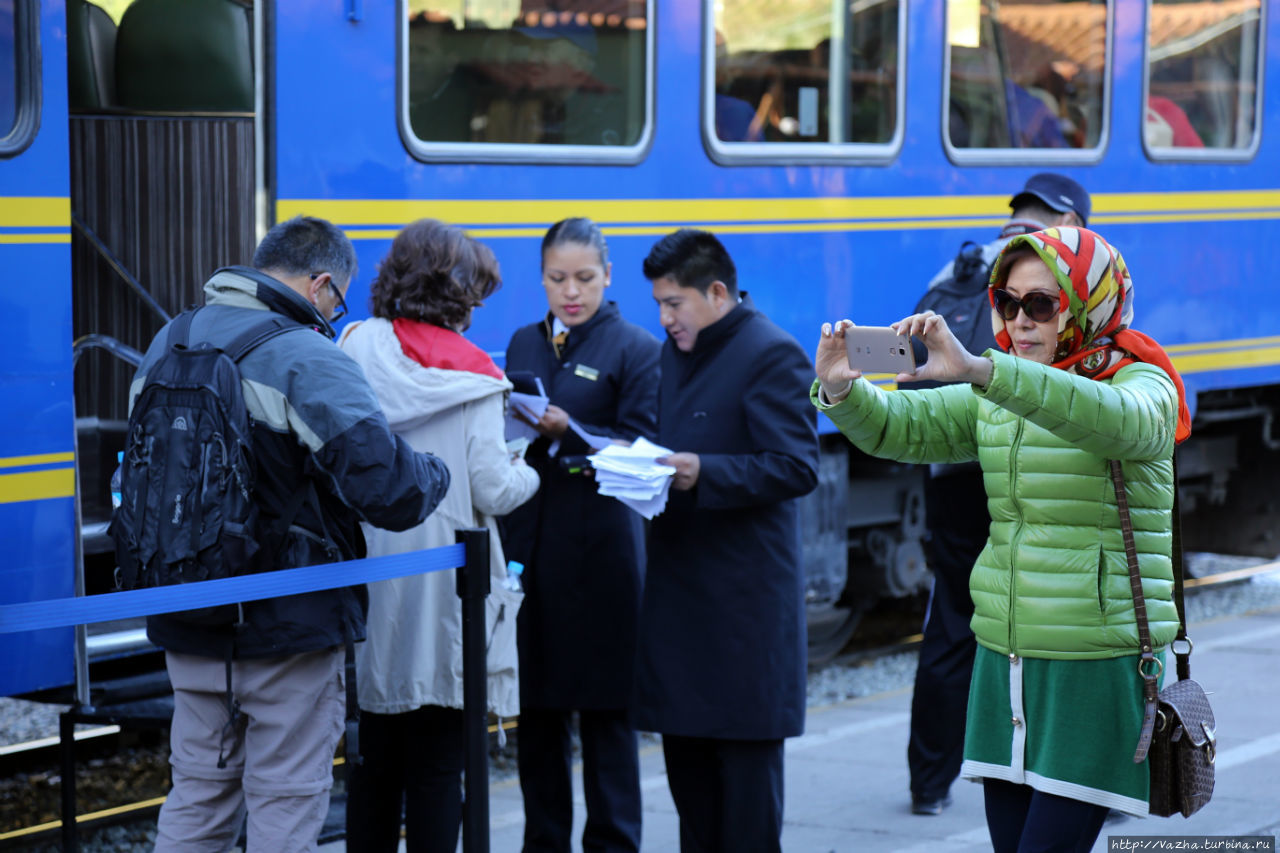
pixel 879 349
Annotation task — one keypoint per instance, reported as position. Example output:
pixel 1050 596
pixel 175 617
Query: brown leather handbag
pixel 1179 735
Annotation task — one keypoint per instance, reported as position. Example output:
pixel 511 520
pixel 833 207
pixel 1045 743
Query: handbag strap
pixel 1149 667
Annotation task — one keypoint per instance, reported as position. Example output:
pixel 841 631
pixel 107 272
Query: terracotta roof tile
pixel 1038 33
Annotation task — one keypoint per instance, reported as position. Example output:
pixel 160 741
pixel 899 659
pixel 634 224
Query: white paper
pixel 595 442
pixel 633 476
pixel 534 406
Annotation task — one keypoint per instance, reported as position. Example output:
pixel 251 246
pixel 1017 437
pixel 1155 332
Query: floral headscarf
pixel 1096 293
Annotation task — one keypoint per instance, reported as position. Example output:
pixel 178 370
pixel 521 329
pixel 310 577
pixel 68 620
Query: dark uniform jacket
pixel 583 552
pixel 722 630
pixel 316 423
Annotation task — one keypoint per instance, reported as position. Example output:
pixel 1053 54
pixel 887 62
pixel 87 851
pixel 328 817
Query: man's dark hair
pixel 692 258
pixel 1029 207
pixel 433 273
pixel 578 230
pixel 304 245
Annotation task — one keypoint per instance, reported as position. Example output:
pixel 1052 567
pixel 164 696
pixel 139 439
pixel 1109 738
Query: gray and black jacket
pixel 317 430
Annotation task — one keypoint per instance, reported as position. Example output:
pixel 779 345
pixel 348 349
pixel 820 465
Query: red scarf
pixel 434 346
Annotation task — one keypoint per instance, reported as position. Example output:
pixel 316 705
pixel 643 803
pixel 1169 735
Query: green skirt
pixel 1065 727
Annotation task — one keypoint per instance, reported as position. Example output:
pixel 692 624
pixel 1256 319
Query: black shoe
pixel 933 807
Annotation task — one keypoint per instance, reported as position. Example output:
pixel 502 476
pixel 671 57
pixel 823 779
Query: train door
pixel 164 179
pixel 37 476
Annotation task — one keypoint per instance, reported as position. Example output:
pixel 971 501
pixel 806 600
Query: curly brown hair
pixel 434 273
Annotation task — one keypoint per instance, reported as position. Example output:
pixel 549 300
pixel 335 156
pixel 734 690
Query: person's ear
pixel 718 292
pixel 608 274
pixel 318 286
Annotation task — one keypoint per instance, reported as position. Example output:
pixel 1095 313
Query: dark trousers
pixel 728 793
pixel 412 765
pixel 1024 820
pixel 956 513
pixel 610 779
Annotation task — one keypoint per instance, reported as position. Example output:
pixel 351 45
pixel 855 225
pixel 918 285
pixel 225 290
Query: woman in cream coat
pixel 440 392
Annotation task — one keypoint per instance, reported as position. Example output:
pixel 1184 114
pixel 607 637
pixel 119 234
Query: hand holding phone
pixel 878 349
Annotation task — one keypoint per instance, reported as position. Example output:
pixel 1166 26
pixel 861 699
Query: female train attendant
pixel 440 392
pixel 583 552
pixel 1055 706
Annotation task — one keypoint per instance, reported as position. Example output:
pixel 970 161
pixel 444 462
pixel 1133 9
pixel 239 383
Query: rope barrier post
pixel 67 748
pixel 473 589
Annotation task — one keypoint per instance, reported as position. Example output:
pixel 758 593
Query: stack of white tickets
pixel 633 476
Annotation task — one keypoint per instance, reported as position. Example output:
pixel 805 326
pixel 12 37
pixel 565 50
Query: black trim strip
pixel 27 65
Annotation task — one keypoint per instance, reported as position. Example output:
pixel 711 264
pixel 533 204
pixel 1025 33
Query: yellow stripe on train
pixel 765 214
pixel 34 212
pixel 38 459
pixel 37 485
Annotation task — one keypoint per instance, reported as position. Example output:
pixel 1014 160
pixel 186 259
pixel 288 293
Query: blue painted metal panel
pixel 37 537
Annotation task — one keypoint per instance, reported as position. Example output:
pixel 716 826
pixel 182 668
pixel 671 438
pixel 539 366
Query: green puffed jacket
pixel 1052 581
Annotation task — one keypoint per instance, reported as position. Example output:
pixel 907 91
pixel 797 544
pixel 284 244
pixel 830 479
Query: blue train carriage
pixel 835 200
pixel 190 125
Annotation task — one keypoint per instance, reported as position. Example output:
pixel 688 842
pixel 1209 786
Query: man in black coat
pixel 721 663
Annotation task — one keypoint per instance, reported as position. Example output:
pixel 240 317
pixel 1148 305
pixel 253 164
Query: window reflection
pixel 774 64
pixel 555 72
pixel 1026 75
pixel 1203 73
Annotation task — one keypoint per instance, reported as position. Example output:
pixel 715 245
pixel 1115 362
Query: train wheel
pixel 831 626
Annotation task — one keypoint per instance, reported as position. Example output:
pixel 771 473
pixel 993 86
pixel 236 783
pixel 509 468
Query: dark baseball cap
pixel 1059 192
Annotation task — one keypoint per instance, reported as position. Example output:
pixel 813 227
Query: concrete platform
pixel 846 778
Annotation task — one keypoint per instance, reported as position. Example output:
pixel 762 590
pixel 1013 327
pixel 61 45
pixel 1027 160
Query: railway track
pixel 110 759
pixel 855 656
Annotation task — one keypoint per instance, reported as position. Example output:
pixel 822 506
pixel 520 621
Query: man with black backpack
pixel 256 444
pixel 956 502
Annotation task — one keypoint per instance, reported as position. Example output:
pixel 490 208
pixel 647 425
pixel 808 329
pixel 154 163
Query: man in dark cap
pixel 1046 200
pixel 956 504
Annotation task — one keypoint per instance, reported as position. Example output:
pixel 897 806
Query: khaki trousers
pixel 278 753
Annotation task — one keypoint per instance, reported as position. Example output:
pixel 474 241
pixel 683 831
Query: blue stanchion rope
pixel 64 612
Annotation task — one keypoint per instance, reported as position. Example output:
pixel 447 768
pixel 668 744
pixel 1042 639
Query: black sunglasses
pixel 1039 307
pixel 341 310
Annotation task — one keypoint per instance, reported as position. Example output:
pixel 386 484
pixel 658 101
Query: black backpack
pixel 962 301
pixel 187 511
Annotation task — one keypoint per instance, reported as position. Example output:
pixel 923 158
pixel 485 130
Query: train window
pixel 1203 78
pixel 524 80
pixel 770 87
pixel 19 76
pixel 1026 75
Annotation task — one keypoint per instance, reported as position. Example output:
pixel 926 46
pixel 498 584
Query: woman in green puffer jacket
pixel 1055 704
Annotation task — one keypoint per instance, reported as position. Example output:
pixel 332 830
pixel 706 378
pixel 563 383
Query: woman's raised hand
pixel 832 362
pixel 948 360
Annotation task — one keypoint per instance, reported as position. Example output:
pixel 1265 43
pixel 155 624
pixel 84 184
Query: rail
pixel 119 268
pixel 470 554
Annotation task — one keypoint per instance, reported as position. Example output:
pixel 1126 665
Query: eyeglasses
pixel 340 310
pixel 1039 307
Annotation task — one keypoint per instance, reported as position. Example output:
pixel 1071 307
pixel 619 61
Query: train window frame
pixel 27 89
pixel 1030 156
pixel 798 153
pixel 1175 154
pixel 524 153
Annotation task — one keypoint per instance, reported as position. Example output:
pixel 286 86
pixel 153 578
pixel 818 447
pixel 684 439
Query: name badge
pixel 586 372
